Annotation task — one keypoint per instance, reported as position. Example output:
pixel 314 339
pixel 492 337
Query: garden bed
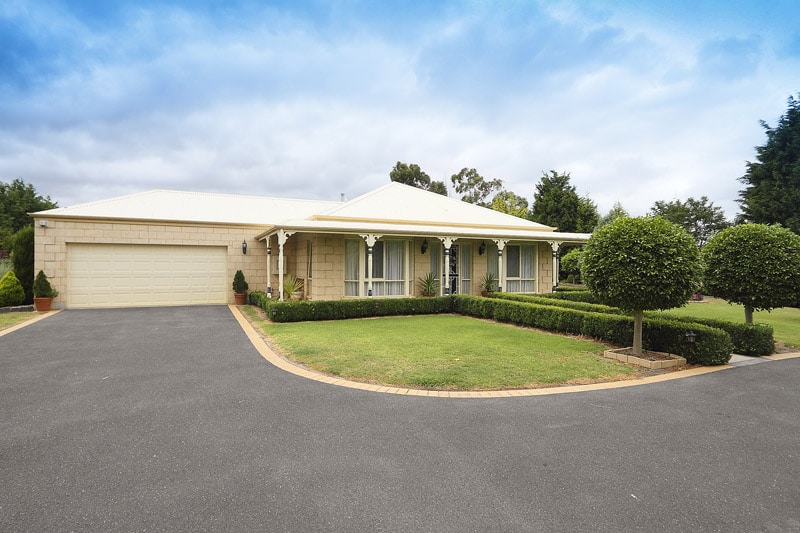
pixel 648 359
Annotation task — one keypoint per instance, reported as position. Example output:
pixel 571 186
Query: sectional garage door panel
pixel 125 275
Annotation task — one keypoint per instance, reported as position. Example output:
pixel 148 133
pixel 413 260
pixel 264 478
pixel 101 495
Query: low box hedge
pixel 712 345
pixel 292 311
pixel 748 339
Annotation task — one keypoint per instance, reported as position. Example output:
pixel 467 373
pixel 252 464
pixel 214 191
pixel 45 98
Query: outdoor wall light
pixel 269 251
pixel 424 246
pixel 691 336
pixel 482 248
pixel 555 254
pixel 244 247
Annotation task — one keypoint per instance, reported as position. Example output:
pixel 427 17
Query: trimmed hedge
pixel 291 311
pixel 582 295
pixel 748 339
pixel 545 300
pixel 712 346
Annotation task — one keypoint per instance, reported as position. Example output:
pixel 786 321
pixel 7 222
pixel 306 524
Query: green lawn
pixel 785 321
pixel 12 319
pixel 444 352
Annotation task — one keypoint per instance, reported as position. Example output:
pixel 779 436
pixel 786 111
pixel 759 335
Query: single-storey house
pixel 181 248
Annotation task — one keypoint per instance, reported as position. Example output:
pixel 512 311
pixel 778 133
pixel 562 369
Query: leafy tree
pixel 22 259
pixel 772 191
pixel 510 203
pixel 556 204
pixel 614 213
pixel 17 199
pixel 438 187
pixel 473 188
pixel 414 176
pixel 755 265
pixel 571 262
pixel 588 217
pixel 639 264
pixel 700 218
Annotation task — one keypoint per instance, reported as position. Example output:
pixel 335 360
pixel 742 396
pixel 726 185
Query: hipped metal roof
pixel 394 209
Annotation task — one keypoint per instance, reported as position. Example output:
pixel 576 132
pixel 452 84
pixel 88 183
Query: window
pixel 520 263
pixel 351 255
pixel 388 268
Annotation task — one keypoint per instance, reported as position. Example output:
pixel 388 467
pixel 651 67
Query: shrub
pixel 296 311
pixel 574 294
pixel 747 339
pixel 11 291
pixel 239 283
pixel 42 287
pixel 712 346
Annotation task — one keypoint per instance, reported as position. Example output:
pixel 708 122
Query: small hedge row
pixel 545 300
pixel 748 339
pixel 572 295
pixel 290 311
pixel 712 346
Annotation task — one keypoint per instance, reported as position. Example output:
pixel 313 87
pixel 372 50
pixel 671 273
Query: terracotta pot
pixel 240 297
pixel 43 304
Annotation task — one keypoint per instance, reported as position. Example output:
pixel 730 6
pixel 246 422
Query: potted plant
pixel 43 292
pixel 293 287
pixel 239 288
pixel 428 285
pixel 488 284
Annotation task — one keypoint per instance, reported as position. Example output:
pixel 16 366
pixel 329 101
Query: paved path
pixel 169 420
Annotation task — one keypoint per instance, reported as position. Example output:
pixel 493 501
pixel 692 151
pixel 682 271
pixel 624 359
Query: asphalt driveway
pixel 167 419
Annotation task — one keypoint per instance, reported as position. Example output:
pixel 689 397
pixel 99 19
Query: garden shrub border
pixel 712 346
pixel 748 339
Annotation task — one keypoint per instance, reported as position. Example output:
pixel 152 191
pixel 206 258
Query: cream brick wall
pixel 327 251
pixel 50 248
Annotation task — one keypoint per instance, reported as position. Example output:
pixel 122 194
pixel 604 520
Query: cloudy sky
pixel 639 100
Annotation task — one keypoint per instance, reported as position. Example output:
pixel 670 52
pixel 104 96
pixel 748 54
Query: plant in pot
pixel 428 285
pixel 293 287
pixel 488 284
pixel 43 292
pixel 239 288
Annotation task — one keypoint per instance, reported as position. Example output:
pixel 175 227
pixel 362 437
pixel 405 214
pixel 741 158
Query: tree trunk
pixel 748 315
pixel 637 332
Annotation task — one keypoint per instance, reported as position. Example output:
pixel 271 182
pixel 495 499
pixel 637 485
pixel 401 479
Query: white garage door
pixel 130 275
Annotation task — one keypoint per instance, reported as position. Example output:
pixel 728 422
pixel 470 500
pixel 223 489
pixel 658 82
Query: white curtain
pixel 351 268
pixel 395 259
pixel 466 268
pixel 528 256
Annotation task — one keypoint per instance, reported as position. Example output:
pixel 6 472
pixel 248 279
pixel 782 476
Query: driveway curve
pixel 168 419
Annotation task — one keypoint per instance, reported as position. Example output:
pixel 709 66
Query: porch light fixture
pixel 424 246
pixel 244 247
pixel 482 248
pixel 691 336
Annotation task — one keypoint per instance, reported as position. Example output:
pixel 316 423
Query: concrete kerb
pixel 33 320
pixel 268 354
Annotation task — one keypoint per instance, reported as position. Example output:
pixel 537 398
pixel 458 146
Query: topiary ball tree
pixel 640 264
pixel 755 265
